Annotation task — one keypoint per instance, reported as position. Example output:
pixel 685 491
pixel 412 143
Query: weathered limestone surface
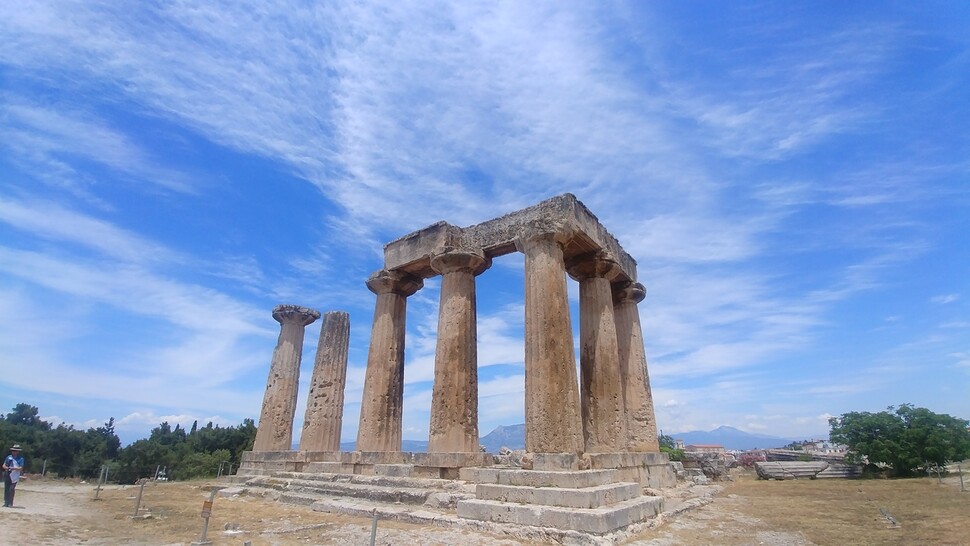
pixel 325 403
pixel 590 501
pixel 383 400
pixel 601 393
pixel 552 417
pixel 563 214
pixel 641 423
pixel 454 402
pixel 275 429
pixel 789 470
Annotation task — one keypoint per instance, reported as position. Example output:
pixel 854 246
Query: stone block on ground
pixel 789 470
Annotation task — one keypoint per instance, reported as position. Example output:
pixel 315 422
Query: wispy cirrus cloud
pixel 51 221
pixel 944 299
pixel 53 138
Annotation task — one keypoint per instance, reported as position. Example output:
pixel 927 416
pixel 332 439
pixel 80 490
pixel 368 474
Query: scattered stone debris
pixel 889 517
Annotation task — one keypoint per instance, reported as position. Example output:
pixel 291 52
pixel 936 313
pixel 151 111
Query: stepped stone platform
pixel 589 501
pixel 561 493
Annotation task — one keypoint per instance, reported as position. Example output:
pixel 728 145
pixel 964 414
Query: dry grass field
pixel 745 511
pixel 849 511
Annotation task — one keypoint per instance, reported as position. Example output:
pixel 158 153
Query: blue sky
pixel 792 179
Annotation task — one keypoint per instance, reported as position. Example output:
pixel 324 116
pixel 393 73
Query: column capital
pixel 295 314
pixel 590 266
pixel 450 259
pixel 535 234
pixel 628 291
pixel 397 282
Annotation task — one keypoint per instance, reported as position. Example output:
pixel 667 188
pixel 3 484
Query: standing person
pixel 13 465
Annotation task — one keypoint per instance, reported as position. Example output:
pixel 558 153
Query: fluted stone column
pixel 552 420
pixel 325 402
pixel 454 401
pixel 275 430
pixel 601 391
pixel 383 401
pixel 637 398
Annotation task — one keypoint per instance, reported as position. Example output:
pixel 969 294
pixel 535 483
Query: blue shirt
pixel 10 462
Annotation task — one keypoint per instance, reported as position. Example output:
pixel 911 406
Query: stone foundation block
pixel 540 478
pixel 594 520
pixel 555 461
pixel 479 475
pixel 587 497
pixel 329 468
pixel 395 470
pixel 322 456
pixel 383 457
pixel 274 456
pixel 452 460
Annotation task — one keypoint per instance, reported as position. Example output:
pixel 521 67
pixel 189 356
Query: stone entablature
pixel 563 214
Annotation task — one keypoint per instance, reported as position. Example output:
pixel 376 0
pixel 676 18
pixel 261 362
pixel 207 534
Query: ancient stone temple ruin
pixel 591 441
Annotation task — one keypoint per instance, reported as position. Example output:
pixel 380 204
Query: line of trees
pixel 69 452
pixel 906 440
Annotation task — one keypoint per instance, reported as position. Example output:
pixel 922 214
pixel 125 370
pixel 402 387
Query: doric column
pixel 601 391
pixel 382 405
pixel 454 401
pixel 275 430
pixel 641 423
pixel 325 403
pixel 552 421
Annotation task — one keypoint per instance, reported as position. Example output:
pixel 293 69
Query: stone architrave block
pixel 789 470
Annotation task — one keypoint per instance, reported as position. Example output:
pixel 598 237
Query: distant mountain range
pixel 730 438
pixel 513 437
pixel 510 436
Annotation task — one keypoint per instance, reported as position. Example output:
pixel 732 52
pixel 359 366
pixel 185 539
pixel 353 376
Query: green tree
pixel 24 426
pixel 184 452
pixel 667 445
pixel 26 415
pixel 907 439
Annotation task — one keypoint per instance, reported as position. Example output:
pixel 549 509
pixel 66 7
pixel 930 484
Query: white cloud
pixel 48 137
pixel 49 220
pixel 944 299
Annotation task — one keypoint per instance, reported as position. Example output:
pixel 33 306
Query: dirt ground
pixel 745 511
